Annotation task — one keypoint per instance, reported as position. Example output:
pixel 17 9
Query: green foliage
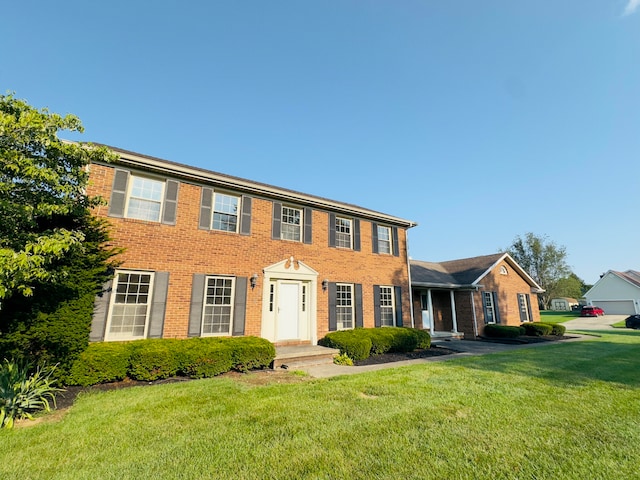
pixel 543 260
pixel 556 328
pixel 155 359
pixel 503 331
pixel 53 253
pixel 423 337
pixel 100 363
pixel 537 329
pixel 342 360
pixel 349 342
pixel 385 340
pixel 23 393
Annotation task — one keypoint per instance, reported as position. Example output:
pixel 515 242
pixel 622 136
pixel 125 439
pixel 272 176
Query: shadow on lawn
pixel 574 363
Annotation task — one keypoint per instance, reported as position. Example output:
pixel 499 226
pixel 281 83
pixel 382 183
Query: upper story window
pixel 225 212
pixel 291 224
pixel 384 239
pixel 503 270
pixel 343 232
pixel 145 199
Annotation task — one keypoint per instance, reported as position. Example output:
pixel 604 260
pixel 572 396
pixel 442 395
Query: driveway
pixel 594 323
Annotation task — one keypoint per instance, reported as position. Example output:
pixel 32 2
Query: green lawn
pixel 569 411
pixel 550 316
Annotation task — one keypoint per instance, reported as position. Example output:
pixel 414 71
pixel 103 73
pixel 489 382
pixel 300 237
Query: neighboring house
pixel 462 296
pixel 563 304
pixel 208 254
pixel 617 293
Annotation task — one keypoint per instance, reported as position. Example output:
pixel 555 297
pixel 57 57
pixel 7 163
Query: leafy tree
pixel 54 255
pixel 543 260
pixel 571 286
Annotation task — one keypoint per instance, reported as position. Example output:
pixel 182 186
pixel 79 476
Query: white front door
pixel 288 310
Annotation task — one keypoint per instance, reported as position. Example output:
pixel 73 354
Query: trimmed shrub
pixel 503 331
pixel 355 346
pixel 423 337
pixel 251 353
pixel 100 363
pixel 557 329
pixel 537 329
pixel 206 357
pixel 385 340
pixel 154 359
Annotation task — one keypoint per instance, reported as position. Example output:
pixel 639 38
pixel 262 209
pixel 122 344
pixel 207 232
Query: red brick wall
pixel 183 250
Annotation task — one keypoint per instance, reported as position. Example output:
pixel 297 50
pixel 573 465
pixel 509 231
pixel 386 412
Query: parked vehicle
pixel 591 311
pixel 633 321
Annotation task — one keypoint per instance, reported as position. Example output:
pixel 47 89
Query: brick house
pixel 208 254
pixel 462 296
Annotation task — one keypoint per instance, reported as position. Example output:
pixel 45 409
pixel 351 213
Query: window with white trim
pixel 344 306
pixel 144 201
pixel 384 239
pixel 291 228
pixel 217 313
pixel 387 307
pixel 225 212
pixel 489 307
pixel 343 233
pixel 129 309
pixel 524 308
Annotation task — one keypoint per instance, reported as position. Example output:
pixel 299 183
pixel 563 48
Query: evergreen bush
pixel 503 331
pixel 537 329
pixel 351 343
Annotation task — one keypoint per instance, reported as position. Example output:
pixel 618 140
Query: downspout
pixel 406 247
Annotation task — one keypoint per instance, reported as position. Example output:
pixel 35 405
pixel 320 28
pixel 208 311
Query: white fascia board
pixel 516 267
pixel 247 186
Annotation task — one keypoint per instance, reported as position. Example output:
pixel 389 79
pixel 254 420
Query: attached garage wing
pixel 615 307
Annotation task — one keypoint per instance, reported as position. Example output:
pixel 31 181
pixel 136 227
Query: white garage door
pixel 616 307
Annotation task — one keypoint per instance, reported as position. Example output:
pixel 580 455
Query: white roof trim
pixel 516 267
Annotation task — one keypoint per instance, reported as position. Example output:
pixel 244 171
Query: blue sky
pixel 481 121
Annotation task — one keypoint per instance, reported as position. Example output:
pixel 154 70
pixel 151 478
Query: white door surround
pixel 289 302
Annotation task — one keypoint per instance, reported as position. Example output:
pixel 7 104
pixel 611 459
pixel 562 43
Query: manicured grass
pixel 568 410
pixel 620 324
pixel 551 316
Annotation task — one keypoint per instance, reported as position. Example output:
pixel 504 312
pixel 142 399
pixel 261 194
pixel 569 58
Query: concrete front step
pixel 292 357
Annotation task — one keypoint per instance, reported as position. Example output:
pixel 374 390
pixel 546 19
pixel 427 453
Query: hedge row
pixel 156 359
pixel 536 329
pixel 360 343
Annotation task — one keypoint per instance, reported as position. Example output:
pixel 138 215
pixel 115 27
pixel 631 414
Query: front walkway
pixel 464 348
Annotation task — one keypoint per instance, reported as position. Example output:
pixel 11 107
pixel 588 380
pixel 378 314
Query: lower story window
pixel 218 306
pixel 387 316
pixel 344 306
pixel 524 308
pixel 130 306
pixel 489 307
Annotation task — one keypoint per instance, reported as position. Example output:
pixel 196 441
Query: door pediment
pixel 290 268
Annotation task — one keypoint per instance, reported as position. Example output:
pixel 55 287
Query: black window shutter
pixel 118 193
pixel 276 220
pixel 158 304
pixel 308 224
pixel 239 306
pixel 206 205
pixel 496 309
pixel 398 302
pixel 359 309
pixel 356 234
pixel 395 246
pixel 197 301
pixel 245 219
pixel 333 313
pixel 100 312
pixel 332 229
pixel 374 236
pixel 170 202
pixel 376 306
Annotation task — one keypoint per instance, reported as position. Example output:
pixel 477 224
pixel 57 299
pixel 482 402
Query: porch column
pixel 430 308
pixel 453 312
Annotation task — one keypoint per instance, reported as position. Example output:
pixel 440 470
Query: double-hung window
pixel 130 302
pixel 217 313
pixel 489 307
pixel 343 232
pixel 145 198
pixel 344 306
pixel 384 239
pixel 291 226
pixel 523 306
pixel 225 212
pixel 387 307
